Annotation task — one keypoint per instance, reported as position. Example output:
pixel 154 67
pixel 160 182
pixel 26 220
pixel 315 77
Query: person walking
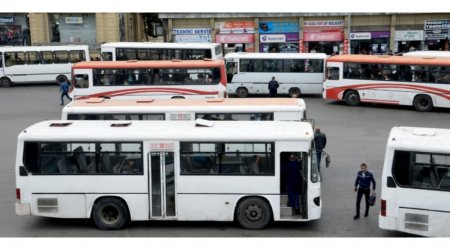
pixel 362 187
pixel 64 89
pixel 320 141
pixel 273 86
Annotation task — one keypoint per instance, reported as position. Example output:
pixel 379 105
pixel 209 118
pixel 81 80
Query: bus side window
pixel 46 57
pixel 333 73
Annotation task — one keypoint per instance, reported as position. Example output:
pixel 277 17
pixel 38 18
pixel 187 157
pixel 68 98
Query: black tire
pixel 294 92
pixel 60 78
pixel 110 214
pixel 253 213
pixel 242 92
pixel 351 97
pixel 5 82
pixel 423 103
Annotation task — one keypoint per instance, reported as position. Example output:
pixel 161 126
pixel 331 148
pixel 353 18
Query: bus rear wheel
pixel 5 82
pixel 242 92
pixel 294 92
pixel 351 97
pixel 423 103
pixel 110 214
pixel 253 213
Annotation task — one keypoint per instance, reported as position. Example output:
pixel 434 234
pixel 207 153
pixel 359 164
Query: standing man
pixel 362 186
pixel 320 141
pixel 64 89
pixel 293 185
pixel 273 86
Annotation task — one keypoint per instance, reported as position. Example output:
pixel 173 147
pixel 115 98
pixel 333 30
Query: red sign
pixel 322 29
pixel 230 25
pixel 322 37
pixel 244 38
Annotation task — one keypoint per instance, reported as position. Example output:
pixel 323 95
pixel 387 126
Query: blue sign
pixel 7 19
pixel 278 27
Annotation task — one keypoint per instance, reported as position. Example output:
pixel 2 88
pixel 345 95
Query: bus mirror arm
pixel 23 171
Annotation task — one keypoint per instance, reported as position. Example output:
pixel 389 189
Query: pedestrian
pixel 273 86
pixel 320 141
pixel 362 187
pixel 64 89
pixel 293 177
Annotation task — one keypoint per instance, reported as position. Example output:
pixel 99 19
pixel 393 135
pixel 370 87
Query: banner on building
pixel 437 24
pixel 5 19
pixel 198 31
pixel 73 20
pixel 409 35
pixel 323 23
pixel 278 38
pixel 192 38
pixel 236 27
pixel 235 38
pixel 278 27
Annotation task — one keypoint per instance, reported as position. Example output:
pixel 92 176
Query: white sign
pixel 323 23
pixel 163 146
pixel 200 31
pixel 278 38
pixel 192 38
pixel 409 35
pixel 74 20
pixel 361 36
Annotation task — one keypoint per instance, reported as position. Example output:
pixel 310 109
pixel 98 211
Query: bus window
pixel 46 57
pixel 32 57
pixel 231 70
pixel 333 73
pixel 15 58
pixel 81 81
pixel 107 56
pixel 61 56
pixel 76 56
pixel 1 60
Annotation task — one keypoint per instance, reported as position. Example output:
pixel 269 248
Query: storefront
pixel 437 34
pixel 326 36
pixel 69 28
pixel 236 36
pixel 198 35
pixel 278 37
pixel 14 30
pixel 408 40
pixel 373 42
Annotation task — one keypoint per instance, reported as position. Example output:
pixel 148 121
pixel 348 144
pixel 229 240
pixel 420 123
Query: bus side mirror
pixel 391 182
pixel 23 171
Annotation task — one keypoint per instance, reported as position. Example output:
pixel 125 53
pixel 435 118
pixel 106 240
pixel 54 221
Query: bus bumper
pixel 388 223
pixel 23 209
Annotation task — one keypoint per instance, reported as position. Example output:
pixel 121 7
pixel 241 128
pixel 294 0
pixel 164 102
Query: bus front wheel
pixel 110 214
pixel 253 213
pixel 294 92
pixel 423 103
pixel 242 92
pixel 5 82
pixel 351 97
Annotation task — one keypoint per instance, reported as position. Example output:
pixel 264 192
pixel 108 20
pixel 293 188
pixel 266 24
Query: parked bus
pixel 124 51
pixel 39 64
pixel 114 172
pixel 428 53
pixel 159 79
pixel 415 192
pixel 258 109
pixel 297 73
pixel 398 80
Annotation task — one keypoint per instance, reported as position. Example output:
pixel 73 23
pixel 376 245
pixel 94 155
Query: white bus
pixel 428 53
pixel 421 82
pixel 124 51
pixel 39 64
pixel 158 79
pixel 415 192
pixel 222 109
pixel 297 73
pixel 114 172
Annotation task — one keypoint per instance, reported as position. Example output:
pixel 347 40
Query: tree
pixel 151 21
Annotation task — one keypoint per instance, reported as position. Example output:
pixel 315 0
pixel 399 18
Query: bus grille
pixel 417 222
pixel 47 205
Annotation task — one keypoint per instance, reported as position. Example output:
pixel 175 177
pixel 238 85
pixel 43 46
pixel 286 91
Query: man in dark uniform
pixel 320 141
pixel 362 186
pixel 273 86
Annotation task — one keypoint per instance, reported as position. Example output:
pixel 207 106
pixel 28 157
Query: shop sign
pixel 323 29
pixel 236 27
pixel 322 37
pixel 409 35
pixel 361 36
pixel 323 23
pixel 200 31
pixel 192 38
pixel 278 27
pixel 437 34
pixel 235 38
pixel 437 24
pixel 74 20
pixel 5 19
pixel 279 38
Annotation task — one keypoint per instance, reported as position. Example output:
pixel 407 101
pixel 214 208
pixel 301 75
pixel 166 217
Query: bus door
pixel 2 71
pixel 162 181
pixel 231 70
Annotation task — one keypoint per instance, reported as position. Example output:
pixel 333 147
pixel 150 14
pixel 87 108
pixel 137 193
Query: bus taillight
pixel 383 207
pixel 18 194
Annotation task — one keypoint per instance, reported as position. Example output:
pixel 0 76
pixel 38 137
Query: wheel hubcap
pixel 109 215
pixel 253 213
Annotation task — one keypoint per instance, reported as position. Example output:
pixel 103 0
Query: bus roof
pixel 385 59
pixel 262 131
pixel 43 48
pixel 158 45
pixel 420 139
pixel 428 53
pixel 285 103
pixel 144 64
pixel 276 55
